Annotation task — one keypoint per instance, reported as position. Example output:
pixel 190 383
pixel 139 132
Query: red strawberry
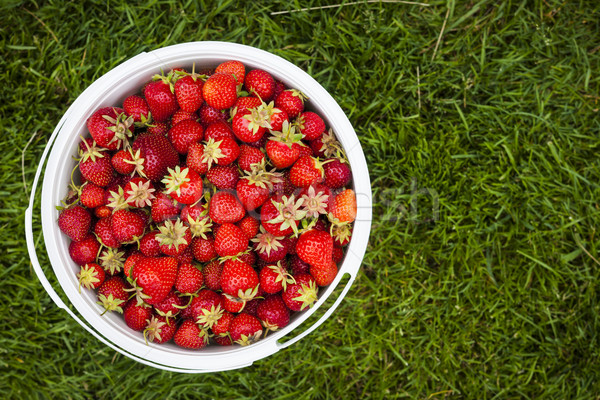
pixel 247 102
pixel 139 192
pixel 279 87
pixel 161 99
pixel 190 336
pixel 159 330
pixel 204 249
pixel 183 185
pixel 218 130
pixel 102 212
pixel 188 91
pixel 184 134
pixel 209 114
pixel 134 257
pixel 273 313
pixel 97 170
pixel 212 275
pixel 249 225
pixel 90 276
pixel 92 196
pixel 206 308
pixel 185 256
pixel 344 206
pixel 220 91
pixel 245 329
pixel 189 278
pixel 223 151
pixel 307 171
pixel 239 280
pixel 324 275
pixel 170 306
pixel 112 294
pixel 157 154
pixel 110 127
pixel 269 248
pixel 164 207
pixel 225 207
pixel 180 116
pixel 338 254
pixel 261 83
pixel 221 328
pixel 85 250
pixel 174 237
pixel 136 107
pixel 317 200
pixel 316 248
pixel 104 233
pixel 122 162
pixel 155 276
pixel 249 156
pixel 337 174
pixel 223 176
pixel 282 155
pixel 75 222
pixel 311 125
pixel 136 315
pixel 248 125
pixel 127 226
pixel 274 278
pixel 158 128
pixel 280 216
pixel 233 67
pixel 230 240
pixel 196 158
pixel 291 101
pixel 297 296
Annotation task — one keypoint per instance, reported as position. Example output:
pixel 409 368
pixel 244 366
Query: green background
pixel 480 124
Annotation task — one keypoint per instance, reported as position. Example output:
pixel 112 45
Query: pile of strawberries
pixel 210 206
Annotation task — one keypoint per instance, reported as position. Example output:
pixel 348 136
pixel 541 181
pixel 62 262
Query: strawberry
pixel 223 176
pixel 196 158
pixel 159 330
pixel 338 253
pixel 190 336
pixel 239 280
pixel 92 196
pixel 183 185
pixel 245 103
pixel 225 207
pixel 284 147
pixel 341 231
pixel 344 206
pixel 104 233
pixel 233 67
pixel 136 315
pixel 154 276
pixel 189 278
pixel 164 207
pixel 102 212
pixel 209 114
pixel 223 151
pixel 156 154
pixel 185 256
pixel 245 329
pixel 297 266
pixel 220 91
pixel 221 328
pixel 134 257
pixel 279 87
pixel 170 306
pixel 283 186
pixel 317 200
pixel 184 134
pixel 84 251
pixel 180 116
pixel 249 156
pixel 273 313
pixel 139 192
pixel 274 278
pixel 261 83
pixel 206 308
pixel 218 130
pixel 112 294
pixel 307 171
pixel 311 125
pixel 268 247
pixel 196 218
pixel 249 225
pixel 110 127
pixel 188 91
pixel 161 99
pixel 97 170
pixel 230 240
pixel 174 237
pixel 137 108
pixel 291 101
pixel 248 125
pixel 158 128
pixel 316 248
pixel 75 222
pixel 324 275
pixel 204 249
pixel 212 275
pixel 337 174
pixel 127 226
pixel 297 296
pixel 326 146
pixel 280 216
pixel 90 276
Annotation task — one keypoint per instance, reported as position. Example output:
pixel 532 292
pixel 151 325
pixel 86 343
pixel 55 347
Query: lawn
pixel 480 124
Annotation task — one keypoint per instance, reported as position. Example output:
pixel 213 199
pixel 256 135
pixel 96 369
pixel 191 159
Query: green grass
pixel 480 124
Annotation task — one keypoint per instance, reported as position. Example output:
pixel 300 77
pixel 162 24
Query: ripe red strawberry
pixel 155 276
pixel 161 99
pixel 136 107
pixel 311 125
pixel 189 278
pixel 248 125
pixel 110 127
pixel 170 306
pixel 90 276
pixel 184 185
pixel 97 170
pixel 281 154
pixel 92 195
pixel 212 275
pixel 134 257
pixel 186 256
pixel 174 237
pixel 261 83
pixel 122 162
pixel 344 206
pixel 204 249
pixel 112 294
pixel 223 151
pixel 291 101
pixel 233 67
pixel 190 336
pixel 280 216
pixel 136 315
pixel 230 240
pixel 196 158
pixel 181 115
pixel 159 330
pixel 221 328
pixel 188 91
pixel 283 186
pixel 297 296
pixel 248 156
pixel 139 192
pixel 317 200
pixel 268 247
pixel 102 212
pixel 220 91
pixel 206 308
pixel 307 171
pixel 274 278
pixel 276 117
pixel 245 329
pixel 209 114
pixel 249 225
pixel 157 154
pixel 112 260
pixel 164 207
pixel 338 253
pixel 239 280
pixel 104 233
pixel 223 176
pixel 158 128
pixel 273 313
pixel 218 130
pixel 127 226
pixel 244 103
pixel 316 248
pixel 337 174
pixel 324 275
pixel 225 207
pixel 184 134
pixel 85 250
pixel 75 222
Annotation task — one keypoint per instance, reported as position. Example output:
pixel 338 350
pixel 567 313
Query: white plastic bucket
pixel 111 89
